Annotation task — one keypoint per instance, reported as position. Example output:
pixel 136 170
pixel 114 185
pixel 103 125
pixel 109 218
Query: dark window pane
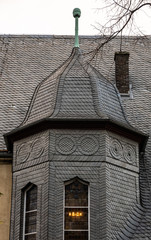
pixel 31 199
pixel 76 218
pixel 30 222
pixel 76 235
pixel 76 194
pixel 30 237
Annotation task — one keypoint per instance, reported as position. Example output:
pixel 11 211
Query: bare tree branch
pixel 121 15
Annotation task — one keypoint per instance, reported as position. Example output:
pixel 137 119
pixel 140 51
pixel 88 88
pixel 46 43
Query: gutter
pixel 48 123
pixel 6 157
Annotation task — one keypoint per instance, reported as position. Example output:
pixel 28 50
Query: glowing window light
pixel 75 214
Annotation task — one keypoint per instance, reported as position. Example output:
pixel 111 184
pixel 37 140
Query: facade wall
pixel 30 165
pixel 109 164
pixel 5 198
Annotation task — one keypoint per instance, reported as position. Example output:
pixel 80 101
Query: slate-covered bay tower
pixel 75 158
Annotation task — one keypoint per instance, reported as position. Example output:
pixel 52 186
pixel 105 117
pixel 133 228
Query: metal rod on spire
pixel 76 14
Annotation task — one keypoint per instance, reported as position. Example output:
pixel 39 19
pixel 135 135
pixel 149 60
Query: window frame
pixel 87 207
pixel 24 210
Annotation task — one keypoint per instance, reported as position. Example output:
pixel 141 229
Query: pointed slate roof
pixel 75 90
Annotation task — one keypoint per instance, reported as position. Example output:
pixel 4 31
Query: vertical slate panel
pixel 102 193
pixel 122 197
pixel 52 202
pixel 37 175
pixel 85 171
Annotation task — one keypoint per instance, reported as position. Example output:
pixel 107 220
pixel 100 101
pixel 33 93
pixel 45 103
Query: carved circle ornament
pixel 34 149
pixel 129 153
pixel 23 152
pixel 37 147
pixel 88 145
pixel 66 145
pixel 116 149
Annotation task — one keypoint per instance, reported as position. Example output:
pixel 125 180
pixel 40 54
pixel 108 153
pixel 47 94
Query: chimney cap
pixel 120 53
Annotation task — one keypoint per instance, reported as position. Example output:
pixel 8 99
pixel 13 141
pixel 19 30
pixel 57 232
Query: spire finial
pixel 76 14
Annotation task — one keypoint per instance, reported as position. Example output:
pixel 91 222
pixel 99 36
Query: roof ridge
pixel 95 92
pixel 68 36
pixel 74 57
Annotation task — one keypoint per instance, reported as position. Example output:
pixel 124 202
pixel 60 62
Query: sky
pixel 54 17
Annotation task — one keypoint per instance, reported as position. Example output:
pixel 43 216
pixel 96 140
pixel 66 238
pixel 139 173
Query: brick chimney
pixel 122 71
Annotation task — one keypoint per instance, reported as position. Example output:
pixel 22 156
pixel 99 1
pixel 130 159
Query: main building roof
pixel 27 61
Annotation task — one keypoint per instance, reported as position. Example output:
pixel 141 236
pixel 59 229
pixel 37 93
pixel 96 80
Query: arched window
pixel 30 212
pixel 76 210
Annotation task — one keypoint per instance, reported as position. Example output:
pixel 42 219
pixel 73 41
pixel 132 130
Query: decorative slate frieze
pixel 88 145
pixel 115 148
pixel 67 144
pixel 129 153
pixel 31 148
pixel 25 150
pixel 122 150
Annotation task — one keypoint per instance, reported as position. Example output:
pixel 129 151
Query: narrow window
pixel 30 213
pixel 76 210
